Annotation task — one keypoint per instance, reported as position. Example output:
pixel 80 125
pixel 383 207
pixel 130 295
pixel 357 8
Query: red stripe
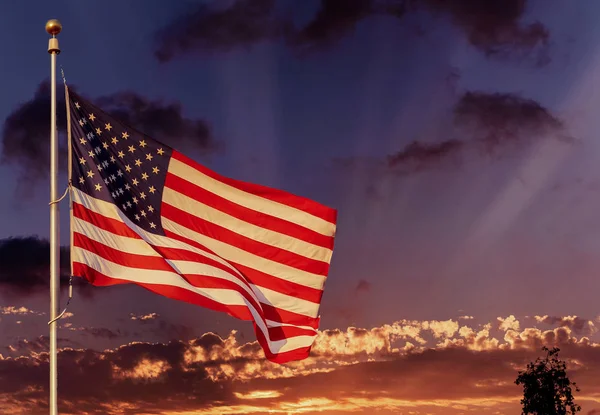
pixel 245 214
pixel 229 237
pixel 264 280
pixel 280 196
pixel 180 294
pixel 282 315
pixel 256 277
pixel 137 261
pixel 108 224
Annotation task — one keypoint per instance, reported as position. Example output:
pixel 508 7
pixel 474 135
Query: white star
pixel 150 209
pixel 115 140
pixel 152 189
pixel 98 187
pixel 81 180
pixel 125 135
pixel 160 151
pixel 92 117
pixel 77 105
pixel 155 170
pixel 98 131
pixel 82 140
pixel 144 176
pixel 128 168
pixel 143 195
pixel 108 126
pixel 148 156
pixel 135 181
pixel 90 174
pixel 82 160
pixel 138 163
pixel 131 149
pixel 152 225
pixel 142 144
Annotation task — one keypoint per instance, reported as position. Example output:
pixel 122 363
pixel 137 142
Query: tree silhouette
pixel 546 387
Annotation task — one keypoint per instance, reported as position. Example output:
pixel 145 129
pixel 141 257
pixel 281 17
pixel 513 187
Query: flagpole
pixel 53 27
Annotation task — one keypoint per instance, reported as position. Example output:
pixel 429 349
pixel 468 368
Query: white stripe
pixel 249 200
pixel 235 254
pixel 144 247
pixel 249 230
pixel 223 296
pixel 111 211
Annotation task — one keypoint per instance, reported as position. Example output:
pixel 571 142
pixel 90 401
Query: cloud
pixel 391 368
pixel 25 264
pixel 419 156
pixel 208 30
pixel 509 323
pixel 12 310
pixel 35 346
pixel 25 131
pixel 496 119
pixel 497 30
pixel 145 317
pixel 363 285
pixel 577 324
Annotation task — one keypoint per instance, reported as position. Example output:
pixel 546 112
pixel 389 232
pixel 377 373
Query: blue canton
pixel 115 163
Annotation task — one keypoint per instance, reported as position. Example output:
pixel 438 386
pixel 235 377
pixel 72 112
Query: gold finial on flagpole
pixel 53 27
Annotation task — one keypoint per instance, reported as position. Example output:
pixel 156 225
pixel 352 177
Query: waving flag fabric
pixel 145 214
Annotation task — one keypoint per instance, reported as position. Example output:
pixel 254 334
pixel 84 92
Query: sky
pixel 458 142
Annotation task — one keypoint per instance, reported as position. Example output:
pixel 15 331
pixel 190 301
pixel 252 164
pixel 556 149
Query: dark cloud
pixel 25 266
pixel 334 20
pixel 26 129
pixel 207 30
pixel 101 332
pixel 38 345
pixel 499 118
pixel 577 324
pixel 418 156
pixel 212 372
pixel 363 285
pixel 495 28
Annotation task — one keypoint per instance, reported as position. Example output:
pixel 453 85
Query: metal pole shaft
pixel 53 27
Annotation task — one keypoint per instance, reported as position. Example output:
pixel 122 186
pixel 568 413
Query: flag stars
pixel 155 170
pixel 143 213
pixel 149 156
pixel 81 180
pixel 144 176
pixel 77 105
pixel 113 159
pixel 143 144
pixel 143 195
pixel 152 189
pixel 152 225
pixel 135 181
pixel 108 127
pixel 137 217
pixel 121 154
pixel 82 160
pixel 98 187
pixel 105 145
pixel 98 131
pixel 90 174
pixel 127 168
pixel 125 135
pixel 82 141
pixel 135 200
pixel 127 187
pixel 82 121
pixel 91 153
pixel 114 140
pixel 92 117
pixel 131 149
pixel 138 162
pixel 160 151
pixel 150 209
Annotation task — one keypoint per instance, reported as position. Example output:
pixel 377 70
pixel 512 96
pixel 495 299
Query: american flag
pixel 145 214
